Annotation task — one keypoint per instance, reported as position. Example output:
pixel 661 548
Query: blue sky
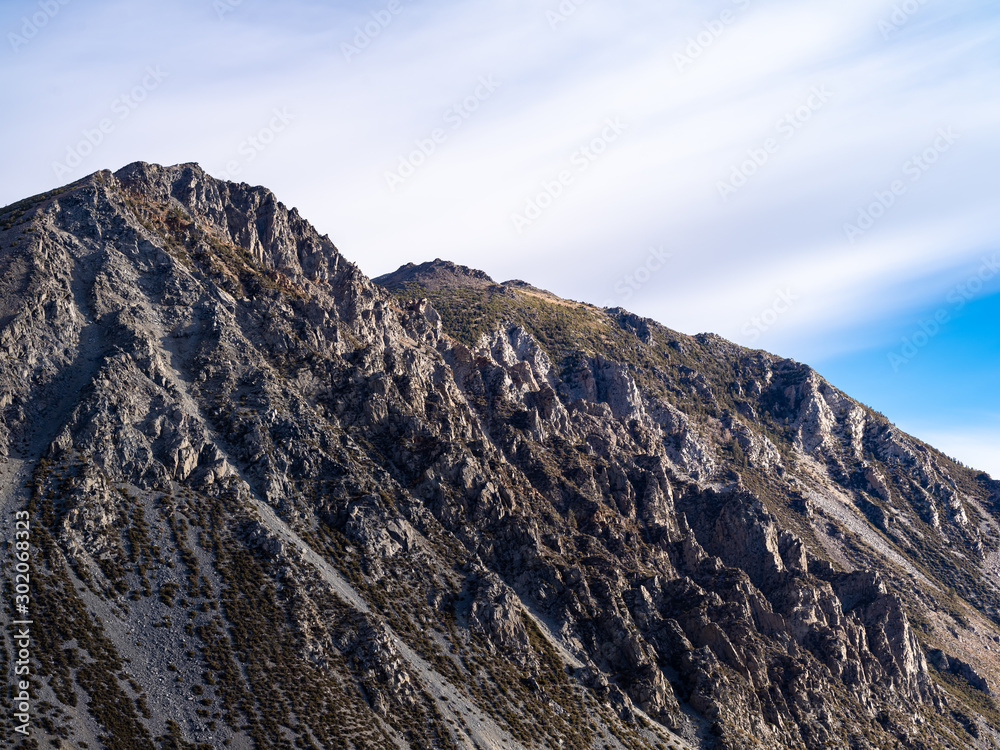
pixel 815 179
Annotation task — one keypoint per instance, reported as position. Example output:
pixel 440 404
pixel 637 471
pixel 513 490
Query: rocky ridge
pixel 276 504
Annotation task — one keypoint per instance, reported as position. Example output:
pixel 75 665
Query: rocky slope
pixel 274 504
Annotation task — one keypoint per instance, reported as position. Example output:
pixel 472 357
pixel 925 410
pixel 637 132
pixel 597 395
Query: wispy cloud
pixel 757 63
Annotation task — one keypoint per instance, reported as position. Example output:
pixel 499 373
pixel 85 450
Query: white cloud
pixel 657 185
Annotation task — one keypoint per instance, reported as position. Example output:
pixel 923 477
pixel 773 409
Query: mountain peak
pixel 436 275
pixel 490 518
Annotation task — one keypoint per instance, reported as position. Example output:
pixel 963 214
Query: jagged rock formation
pixel 275 504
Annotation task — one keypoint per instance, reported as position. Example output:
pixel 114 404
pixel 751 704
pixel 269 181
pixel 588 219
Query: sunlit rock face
pixel 276 504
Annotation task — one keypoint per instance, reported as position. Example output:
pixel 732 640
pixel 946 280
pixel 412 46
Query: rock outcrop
pixel 276 504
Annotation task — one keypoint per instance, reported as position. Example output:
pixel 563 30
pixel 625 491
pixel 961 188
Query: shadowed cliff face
pixel 276 504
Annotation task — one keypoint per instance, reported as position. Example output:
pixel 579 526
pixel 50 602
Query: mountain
pixel 269 503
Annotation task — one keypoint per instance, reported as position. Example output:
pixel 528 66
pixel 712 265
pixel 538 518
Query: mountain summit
pixel 270 503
